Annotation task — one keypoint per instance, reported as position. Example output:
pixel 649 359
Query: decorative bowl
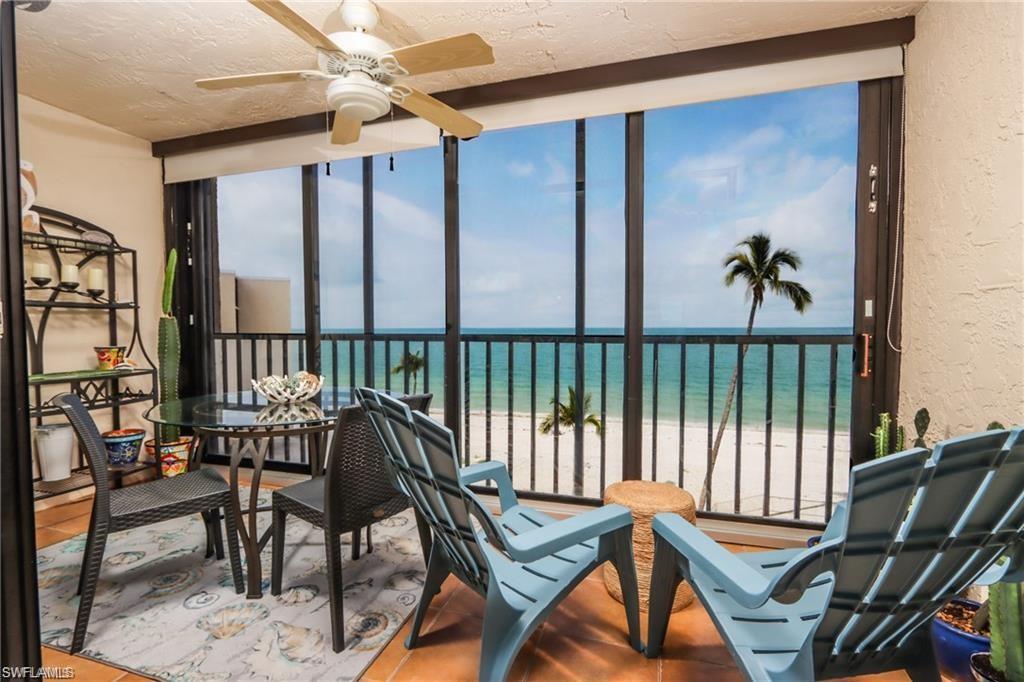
pixel 284 389
pixel 123 446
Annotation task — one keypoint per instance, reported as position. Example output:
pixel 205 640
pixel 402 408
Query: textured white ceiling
pixel 130 64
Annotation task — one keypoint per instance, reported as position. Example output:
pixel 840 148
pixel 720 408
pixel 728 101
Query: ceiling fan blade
pixel 293 21
pixel 443 54
pixel 345 130
pixel 440 114
pixel 257 79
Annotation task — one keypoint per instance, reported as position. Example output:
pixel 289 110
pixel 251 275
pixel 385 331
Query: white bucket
pixel 54 448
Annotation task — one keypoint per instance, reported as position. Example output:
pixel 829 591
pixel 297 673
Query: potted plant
pixel 957 635
pixel 174 448
pixel 1004 611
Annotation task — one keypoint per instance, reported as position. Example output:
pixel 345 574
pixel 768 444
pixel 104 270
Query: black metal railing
pixel 784 452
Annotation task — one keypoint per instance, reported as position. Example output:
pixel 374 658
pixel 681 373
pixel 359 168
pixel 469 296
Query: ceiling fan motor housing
pixel 363 91
pixel 359 97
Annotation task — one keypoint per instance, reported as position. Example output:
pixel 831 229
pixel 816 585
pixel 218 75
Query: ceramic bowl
pixel 123 446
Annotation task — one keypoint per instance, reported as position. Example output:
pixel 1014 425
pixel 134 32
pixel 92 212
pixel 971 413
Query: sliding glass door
pixel 750 236
pixel 773 411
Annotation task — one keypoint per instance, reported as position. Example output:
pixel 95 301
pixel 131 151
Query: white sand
pixel 782 470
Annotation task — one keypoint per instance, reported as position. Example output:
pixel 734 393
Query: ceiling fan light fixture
pixel 358 97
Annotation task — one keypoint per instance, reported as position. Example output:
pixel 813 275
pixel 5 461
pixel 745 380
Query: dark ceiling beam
pixel 822 43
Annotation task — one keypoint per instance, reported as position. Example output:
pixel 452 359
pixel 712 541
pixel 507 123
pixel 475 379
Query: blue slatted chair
pixel 522 563
pixel 917 528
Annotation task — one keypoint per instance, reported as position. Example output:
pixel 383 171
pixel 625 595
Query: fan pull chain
pixel 391 154
pixel 327 121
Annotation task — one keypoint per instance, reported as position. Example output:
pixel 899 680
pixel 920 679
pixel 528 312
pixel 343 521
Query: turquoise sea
pixel 669 380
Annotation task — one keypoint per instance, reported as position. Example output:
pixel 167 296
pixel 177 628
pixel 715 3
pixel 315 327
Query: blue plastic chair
pixel 522 563
pixel 917 529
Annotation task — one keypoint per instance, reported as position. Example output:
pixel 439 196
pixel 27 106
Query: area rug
pixel 163 610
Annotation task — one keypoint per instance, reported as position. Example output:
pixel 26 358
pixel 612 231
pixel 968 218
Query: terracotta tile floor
pixel 584 639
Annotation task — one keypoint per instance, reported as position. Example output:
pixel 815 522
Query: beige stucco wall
pixel 110 179
pixel 963 312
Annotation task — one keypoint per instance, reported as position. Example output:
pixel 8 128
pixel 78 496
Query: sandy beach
pixel 782 473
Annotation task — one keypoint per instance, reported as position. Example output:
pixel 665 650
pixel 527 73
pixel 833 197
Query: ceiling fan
pixel 362 70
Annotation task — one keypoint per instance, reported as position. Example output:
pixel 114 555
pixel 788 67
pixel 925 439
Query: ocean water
pixel 682 393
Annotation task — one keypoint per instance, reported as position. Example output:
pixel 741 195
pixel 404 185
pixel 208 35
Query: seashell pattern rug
pixel 163 610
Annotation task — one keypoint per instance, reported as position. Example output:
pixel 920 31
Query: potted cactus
pixel 174 448
pixel 888 438
pixel 1005 612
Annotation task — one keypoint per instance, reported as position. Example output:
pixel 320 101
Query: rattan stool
pixel 645 499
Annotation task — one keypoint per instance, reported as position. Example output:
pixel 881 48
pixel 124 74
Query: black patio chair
pixel 202 491
pixel 357 490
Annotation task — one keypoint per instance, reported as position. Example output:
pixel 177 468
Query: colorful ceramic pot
pixel 109 357
pixel 954 647
pixel 173 456
pixel 123 446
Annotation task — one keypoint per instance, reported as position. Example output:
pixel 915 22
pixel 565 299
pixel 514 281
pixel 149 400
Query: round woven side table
pixel 645 499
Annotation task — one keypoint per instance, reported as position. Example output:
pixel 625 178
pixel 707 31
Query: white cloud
pixel 683 263
pixel 405 217
pixel 733 155
pixel 558 175
pixel 520 169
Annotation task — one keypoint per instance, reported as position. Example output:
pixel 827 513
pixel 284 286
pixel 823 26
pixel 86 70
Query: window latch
pixel 873 198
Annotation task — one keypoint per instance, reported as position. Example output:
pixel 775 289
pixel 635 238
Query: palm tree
pixel 411 363
pixel 567 415
pixel 759 267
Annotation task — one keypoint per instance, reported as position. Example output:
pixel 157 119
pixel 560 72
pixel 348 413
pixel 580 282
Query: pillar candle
pixel 41 270
pixel 97 279
pixel 69 273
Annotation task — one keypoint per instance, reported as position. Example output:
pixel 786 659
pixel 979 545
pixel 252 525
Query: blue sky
pixel 714 173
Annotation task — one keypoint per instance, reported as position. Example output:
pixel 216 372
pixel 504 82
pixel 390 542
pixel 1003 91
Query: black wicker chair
pixel 203 491
pixel 357 490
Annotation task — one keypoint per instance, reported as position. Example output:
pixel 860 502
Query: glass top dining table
pixel 249 423
pixel 247 410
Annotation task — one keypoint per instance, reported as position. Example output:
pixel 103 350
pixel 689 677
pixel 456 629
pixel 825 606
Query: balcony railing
pixel 784 454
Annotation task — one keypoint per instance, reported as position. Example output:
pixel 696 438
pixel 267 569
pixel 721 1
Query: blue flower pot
pixel 953 647
pixel 123 446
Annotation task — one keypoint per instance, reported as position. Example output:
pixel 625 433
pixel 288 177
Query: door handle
pixel 865 355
